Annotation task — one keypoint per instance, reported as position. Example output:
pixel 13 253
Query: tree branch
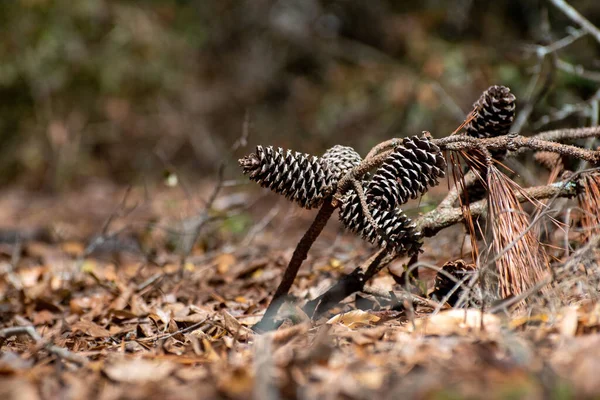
pixel 569 134
pixel 515 142
pixel 442 217
pixel 356 173
pixel 579 19
pixel 300 253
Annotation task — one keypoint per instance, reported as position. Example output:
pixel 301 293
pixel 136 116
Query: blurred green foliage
pixel 123 89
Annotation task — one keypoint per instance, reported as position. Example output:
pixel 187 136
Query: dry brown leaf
pixel 284 335
pixel 458 322
pixel 121 314
pixel 354 319
pixel 138 370
pixel 90 328
pixel 235 327
pixel 43 317
pixel 569 321
pixel 74 249
pixel 224 262
pixel 121 302
pixel 173 329
pixel 209 351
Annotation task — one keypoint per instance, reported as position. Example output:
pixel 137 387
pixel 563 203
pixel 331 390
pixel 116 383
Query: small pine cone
pixel 396 225
pixel 409 171
pixel 495 113
pixel 300 177
pixel 443 284
pixel 341 159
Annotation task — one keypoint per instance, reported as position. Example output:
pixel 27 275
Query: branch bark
pixel 267 322
pixel 515 142
pixel 443 217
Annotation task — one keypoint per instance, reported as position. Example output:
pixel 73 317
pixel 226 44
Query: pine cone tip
pixel 249 163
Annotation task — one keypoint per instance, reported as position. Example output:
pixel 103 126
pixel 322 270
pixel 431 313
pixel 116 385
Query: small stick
pixel 29 330
pixel 300 254
pixel 436 220
pixel 390 295
pixel 348 284
pixel 367 213
pixel 384 146
pixel 515 142
pixel 359 171
pixel 576 17
pixel 569 134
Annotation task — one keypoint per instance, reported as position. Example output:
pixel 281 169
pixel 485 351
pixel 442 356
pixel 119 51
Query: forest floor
pixel 109 303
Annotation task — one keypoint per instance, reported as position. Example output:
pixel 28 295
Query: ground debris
pixel 84 325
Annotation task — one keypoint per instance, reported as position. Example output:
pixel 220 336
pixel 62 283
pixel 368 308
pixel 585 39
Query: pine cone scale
pixel 409 171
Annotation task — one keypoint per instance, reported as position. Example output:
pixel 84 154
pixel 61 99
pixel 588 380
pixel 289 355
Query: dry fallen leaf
pixel 354 319
pixel 138 370
pixel 569 322
pixel 458 322
pixel 90 328
pixel 224 262
pixel 235 327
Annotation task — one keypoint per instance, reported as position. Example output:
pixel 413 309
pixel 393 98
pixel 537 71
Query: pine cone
pixel 341 159
pixel 396 225
pixel 300 177
pixel 495 113
pixel 443 284
pixel 408 172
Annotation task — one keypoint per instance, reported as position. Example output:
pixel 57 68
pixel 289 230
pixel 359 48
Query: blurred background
pixel 124 90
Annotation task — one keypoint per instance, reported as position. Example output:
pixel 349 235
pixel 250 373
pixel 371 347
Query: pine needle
pixel 459 181
pixel 589 201
pixel 521 260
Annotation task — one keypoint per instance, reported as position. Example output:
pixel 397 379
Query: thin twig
pixel 576 17
pixel 366 212
pixel 348 284
pixel 517 299
pixel 187 329
pixel 391 295
pixel 300 254
pixel 356 174
pixel 559 135
pixel 560 44
pixel 440 218
pixel 29 330
pixel 515 142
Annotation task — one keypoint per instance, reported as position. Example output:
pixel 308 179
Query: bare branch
pixel 515 142
pixel 440 218
pixel 559 135
pixel 579 19
pixel 300 254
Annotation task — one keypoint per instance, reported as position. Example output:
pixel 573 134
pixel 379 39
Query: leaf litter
pixel 145 323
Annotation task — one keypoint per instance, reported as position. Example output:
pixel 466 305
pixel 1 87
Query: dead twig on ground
pixel 29 330
pixel 348 284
